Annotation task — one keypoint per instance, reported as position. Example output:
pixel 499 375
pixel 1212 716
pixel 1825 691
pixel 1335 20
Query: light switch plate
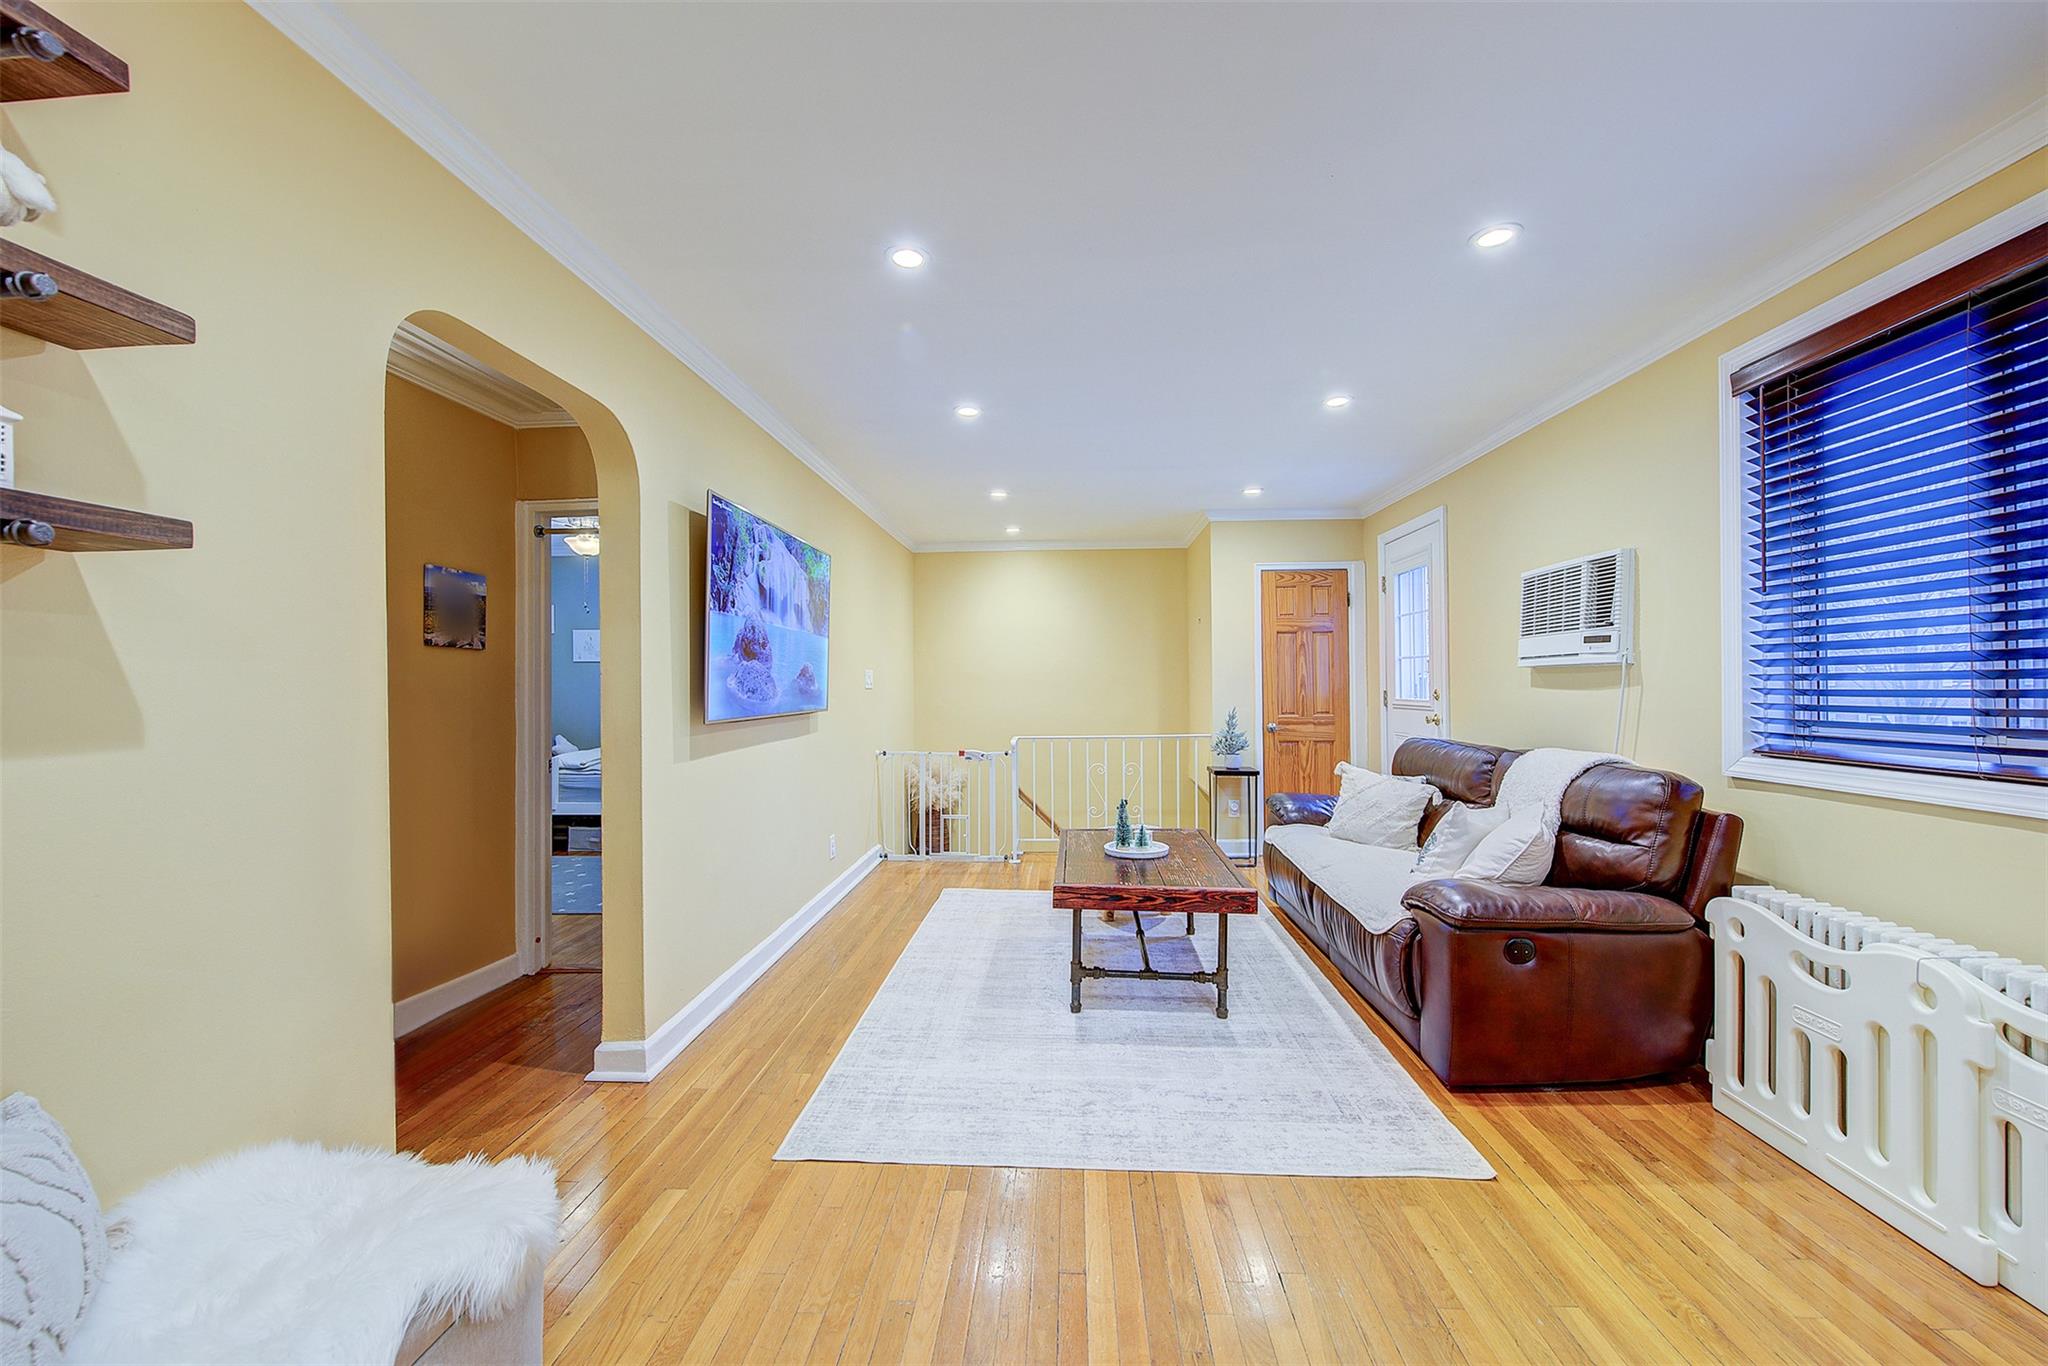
pixel 870 678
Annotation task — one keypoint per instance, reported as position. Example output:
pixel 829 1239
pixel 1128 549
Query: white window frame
pixel 1738 760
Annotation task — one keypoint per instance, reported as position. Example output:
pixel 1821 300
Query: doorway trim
pixel 532 838
pixel 1354 578
pixel 1441 642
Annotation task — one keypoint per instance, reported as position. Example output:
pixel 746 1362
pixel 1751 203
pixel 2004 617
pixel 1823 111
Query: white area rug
pixel 968 1056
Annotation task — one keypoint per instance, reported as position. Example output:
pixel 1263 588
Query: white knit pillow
pixel 53 1238
pixel 1375 809
pixel 1516 854
pixel 1458 832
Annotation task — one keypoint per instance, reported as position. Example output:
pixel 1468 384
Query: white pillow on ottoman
pixel 53 1237
pixel 1375 809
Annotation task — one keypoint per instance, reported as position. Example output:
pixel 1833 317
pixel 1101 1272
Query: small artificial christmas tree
pixel 1230 741
pixel 1123 824
pixel 1144 838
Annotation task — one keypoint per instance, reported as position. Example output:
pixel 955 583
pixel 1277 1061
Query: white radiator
pixel 1908 1072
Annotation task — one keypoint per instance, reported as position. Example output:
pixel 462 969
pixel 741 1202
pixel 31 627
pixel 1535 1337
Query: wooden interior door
pixel 1305 617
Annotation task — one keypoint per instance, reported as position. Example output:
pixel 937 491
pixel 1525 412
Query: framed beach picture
pixel 454 608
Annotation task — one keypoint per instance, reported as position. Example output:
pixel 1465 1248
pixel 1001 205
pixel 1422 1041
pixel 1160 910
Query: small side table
pixel 1255 827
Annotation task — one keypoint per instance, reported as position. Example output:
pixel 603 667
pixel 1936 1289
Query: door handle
pixel 1433 719
pixel 1272 727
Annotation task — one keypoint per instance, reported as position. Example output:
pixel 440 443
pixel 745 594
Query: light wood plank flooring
pixel 1627 1224
pixel 575 941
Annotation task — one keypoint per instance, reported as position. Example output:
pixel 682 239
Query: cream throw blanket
pixel 1369 881
pixel 1365 879
pixel 1536 781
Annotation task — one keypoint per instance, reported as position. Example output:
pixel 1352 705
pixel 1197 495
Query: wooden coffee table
pixel 1193 879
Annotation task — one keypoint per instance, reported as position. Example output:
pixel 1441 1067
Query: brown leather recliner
pixel 1602 974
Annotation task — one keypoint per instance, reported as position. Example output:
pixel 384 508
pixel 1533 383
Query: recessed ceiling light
pixel 1252 490
pixel 1012 530
pixel 999 494
pixel 908 258
pixel 1337 401
pixel 1499 235
pixel 967 411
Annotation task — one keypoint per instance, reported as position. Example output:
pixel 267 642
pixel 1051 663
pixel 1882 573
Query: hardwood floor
pixel 1626 1224
pixel 575 941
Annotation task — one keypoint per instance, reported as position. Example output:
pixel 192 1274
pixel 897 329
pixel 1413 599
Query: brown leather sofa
pixel 1600 975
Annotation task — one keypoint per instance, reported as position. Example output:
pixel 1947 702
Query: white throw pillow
pixel 1375 809
pixel 1458 832
pixel 1516 854
pixel 53 1239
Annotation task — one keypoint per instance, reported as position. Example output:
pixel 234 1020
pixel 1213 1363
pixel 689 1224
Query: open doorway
pixel 566 674
pixel 471 597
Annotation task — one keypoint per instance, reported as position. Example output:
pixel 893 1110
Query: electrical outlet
pixel 871 678
pixel 832 846
pixel 1233 808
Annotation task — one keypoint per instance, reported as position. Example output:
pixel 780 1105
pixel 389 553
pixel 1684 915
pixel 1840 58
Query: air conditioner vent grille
pixel 1579 612
pixel 1552 601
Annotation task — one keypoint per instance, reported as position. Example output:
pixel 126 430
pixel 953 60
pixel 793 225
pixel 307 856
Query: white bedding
pixel 1365 879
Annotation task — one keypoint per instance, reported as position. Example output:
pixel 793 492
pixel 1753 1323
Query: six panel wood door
pixel 1306 655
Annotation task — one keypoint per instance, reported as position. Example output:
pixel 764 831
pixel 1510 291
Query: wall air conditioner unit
pixel 1580 611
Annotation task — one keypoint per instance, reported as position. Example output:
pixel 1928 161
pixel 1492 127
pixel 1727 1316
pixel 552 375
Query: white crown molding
pixel 1990 151
pixel 331 40
pixel 1280 515
pixel 421 358
pixel 990 547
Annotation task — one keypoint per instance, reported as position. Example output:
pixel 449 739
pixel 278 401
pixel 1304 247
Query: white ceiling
pixel 1161 234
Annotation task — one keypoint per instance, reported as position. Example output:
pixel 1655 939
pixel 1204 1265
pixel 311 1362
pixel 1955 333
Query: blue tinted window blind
pixel 1896 541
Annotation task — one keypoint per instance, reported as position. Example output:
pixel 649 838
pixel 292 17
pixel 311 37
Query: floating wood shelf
pixel 86 68
pixel 87 313
pixel 93 526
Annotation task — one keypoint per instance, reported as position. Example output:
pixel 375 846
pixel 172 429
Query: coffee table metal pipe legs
pixel 1074 973
pixel 1222 967
pixel 1220 979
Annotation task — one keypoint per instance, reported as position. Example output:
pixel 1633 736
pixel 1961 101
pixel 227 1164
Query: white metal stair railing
pixel 1063 782
pixel 943 803
pixel 1909 1072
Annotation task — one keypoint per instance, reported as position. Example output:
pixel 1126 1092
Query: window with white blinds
pixel 1895 531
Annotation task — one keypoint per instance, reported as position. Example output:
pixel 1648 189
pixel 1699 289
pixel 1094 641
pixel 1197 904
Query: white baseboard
pixel 434 1002
pixel 1236 848
pixel 643 1059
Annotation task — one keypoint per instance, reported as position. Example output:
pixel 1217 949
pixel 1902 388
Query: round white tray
pixel 1137 851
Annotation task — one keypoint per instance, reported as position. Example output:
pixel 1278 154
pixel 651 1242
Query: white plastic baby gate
pixel 943 803
pixel 1908 1072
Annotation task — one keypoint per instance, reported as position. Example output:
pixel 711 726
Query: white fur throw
pixel 53 1240
pixel 296 1253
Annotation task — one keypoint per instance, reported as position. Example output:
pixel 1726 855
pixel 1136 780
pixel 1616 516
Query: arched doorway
pixel 479 442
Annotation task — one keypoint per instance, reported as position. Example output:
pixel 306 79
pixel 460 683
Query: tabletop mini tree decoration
pixel 1144 836
pixel 1230 741
pixel 1123 824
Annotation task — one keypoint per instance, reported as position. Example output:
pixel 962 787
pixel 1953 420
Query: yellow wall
pixel 1638 465
pixel 1050 642
pixel 448 495
pixel 194 809
pixel 553 462
pixel 452 476
pixel 1235 549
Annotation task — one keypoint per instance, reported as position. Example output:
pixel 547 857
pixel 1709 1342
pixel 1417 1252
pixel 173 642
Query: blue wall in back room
pixel 573 592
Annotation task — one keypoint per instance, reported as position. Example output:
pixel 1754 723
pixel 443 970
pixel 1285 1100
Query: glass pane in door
pixel 1411 634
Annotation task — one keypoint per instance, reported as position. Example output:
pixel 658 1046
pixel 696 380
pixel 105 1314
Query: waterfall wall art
pixel 767 618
